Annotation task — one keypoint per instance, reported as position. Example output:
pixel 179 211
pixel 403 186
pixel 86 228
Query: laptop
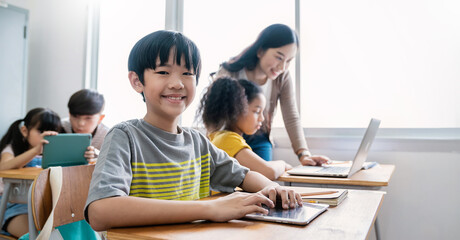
pixel 67 149
pixel 300 215
pixel 343 171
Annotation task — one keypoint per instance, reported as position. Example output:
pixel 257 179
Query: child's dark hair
pixel 43 119
pixel 156 45
pixel 225 101
pixel 274 36
pixel 86 102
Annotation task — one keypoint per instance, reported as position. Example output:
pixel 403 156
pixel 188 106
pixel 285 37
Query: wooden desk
pixel 369 179
pixel 16 186
pixel 352 219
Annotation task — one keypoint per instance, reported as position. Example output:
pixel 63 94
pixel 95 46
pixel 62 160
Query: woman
pixel 265 63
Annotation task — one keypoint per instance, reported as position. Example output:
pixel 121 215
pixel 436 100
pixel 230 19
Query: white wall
pixel 57 48
pixel 57 52
pixel 423 194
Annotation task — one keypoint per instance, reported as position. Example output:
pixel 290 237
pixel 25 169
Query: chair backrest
pixel 71 203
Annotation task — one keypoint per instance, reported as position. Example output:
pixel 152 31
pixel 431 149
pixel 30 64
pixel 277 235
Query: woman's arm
pixel 272 170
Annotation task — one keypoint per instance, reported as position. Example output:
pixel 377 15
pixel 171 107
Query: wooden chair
pixel 71 203
pixel 5 237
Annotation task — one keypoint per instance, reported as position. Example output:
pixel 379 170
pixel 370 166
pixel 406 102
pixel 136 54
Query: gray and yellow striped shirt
pixel 138 159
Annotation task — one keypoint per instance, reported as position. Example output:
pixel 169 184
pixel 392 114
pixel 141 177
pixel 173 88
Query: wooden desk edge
pixel 22 173
pixel 336 181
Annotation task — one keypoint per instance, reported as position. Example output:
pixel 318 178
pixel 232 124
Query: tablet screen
pixel 301 215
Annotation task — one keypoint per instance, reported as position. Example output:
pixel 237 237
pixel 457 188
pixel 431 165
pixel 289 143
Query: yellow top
pixel 229 141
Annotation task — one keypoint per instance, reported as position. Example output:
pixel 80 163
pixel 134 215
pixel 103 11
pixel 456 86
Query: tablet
pixel 300 215
pixel 67 149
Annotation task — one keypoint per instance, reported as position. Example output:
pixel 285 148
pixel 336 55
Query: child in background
pixel 21 146
pixel 85 116
pixel 231 108
pixel 148 168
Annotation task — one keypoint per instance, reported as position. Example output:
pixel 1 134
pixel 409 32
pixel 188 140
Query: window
pixel 393 60
pixel 122 24
pixel 222 29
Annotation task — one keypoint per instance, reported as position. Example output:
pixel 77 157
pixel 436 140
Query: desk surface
pixel 21 173
pixel 352 219
pixel 377 176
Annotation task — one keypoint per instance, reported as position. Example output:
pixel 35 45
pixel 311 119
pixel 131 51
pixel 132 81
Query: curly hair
pixel 225 100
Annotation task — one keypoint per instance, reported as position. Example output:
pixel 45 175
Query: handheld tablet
pixel 66 149
pixel 300 215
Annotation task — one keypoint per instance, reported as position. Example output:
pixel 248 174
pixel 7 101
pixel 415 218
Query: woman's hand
pixel 237 205
pixel 315 160
pixel 90 155
pixel 39 148
pixel 288 197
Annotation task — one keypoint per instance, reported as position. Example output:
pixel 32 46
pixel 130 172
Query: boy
pixel 147 165
pixel 85 116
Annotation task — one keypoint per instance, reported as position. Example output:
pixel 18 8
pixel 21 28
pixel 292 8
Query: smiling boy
pixel 149 169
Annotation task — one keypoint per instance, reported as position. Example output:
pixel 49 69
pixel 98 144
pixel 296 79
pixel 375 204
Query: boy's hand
pixel 237 205
pixel 90 155
pixel 288 197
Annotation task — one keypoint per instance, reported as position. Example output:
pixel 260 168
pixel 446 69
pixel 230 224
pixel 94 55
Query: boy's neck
pixel 168 125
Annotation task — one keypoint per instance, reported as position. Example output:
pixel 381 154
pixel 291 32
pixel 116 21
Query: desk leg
pixel 5 196
pixel 376 229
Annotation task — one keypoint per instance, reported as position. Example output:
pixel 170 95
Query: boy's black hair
pixel 43 119
pixel 156 45
pixel 273 36
pixel 86 102
pixel 225 101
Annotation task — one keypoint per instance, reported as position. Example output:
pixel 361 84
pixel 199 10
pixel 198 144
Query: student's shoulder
pixel 224 135
pixel 193 132
pixel 126 126
pixel 221 138
pixel 65 122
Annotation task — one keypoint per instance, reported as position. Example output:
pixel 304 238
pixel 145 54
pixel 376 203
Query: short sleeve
pixel 230 142
pixel 8 149
pixel 226 172
pixel 112 173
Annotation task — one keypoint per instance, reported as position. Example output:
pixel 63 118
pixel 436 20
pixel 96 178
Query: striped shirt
pixel 138 159
pixel 187 180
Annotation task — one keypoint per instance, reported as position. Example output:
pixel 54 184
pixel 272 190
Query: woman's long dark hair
pixel 274 36
pixel 225 101
pixel 41 118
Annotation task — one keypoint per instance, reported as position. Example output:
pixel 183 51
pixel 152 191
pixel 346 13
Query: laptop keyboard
pixel 334 170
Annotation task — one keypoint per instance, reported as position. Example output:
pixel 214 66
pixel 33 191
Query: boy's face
pixel 169 89
pixel 85 123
